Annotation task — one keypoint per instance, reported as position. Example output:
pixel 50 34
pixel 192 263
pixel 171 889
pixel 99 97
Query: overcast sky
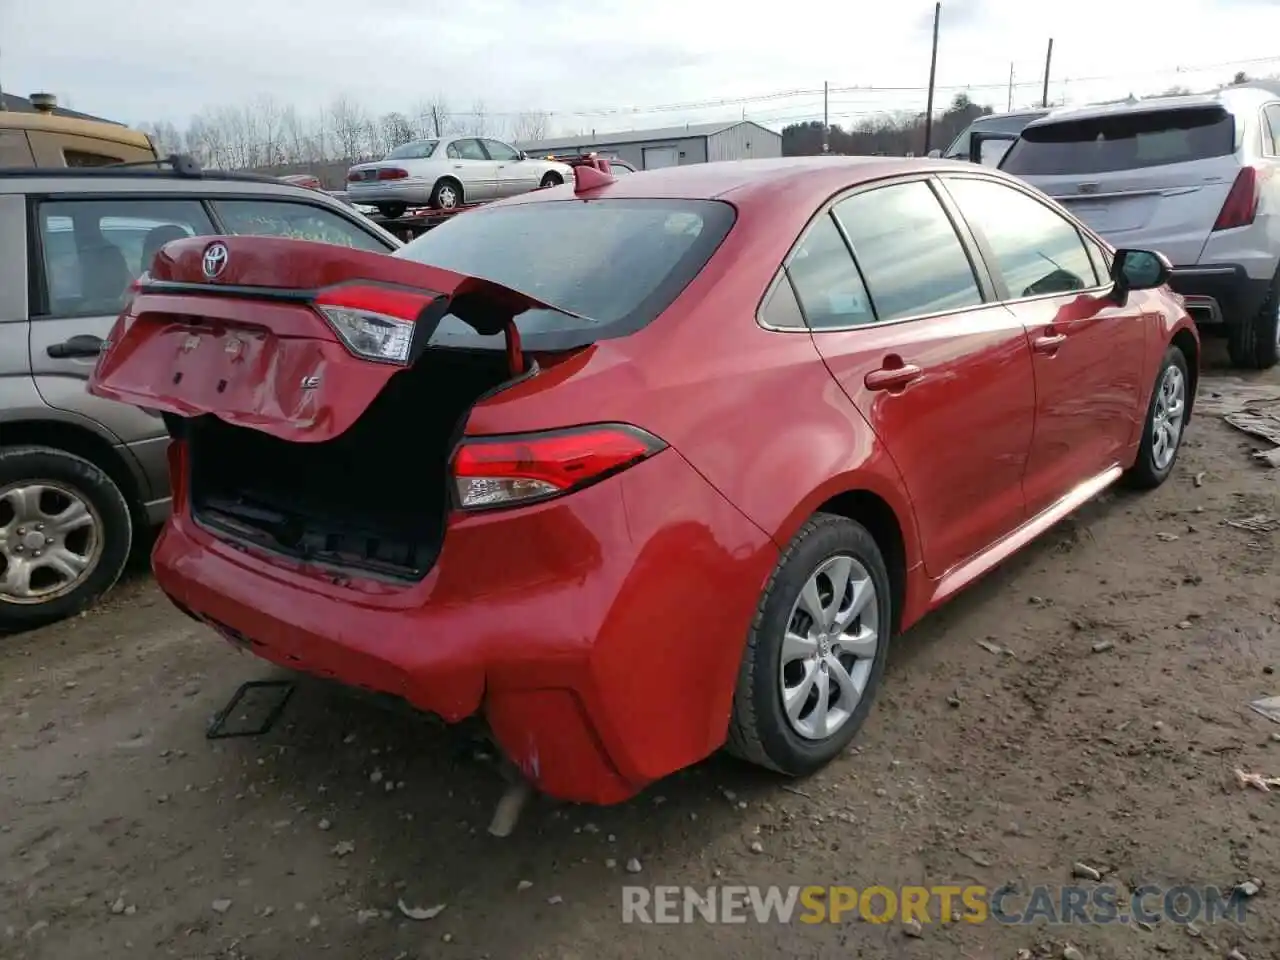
pixel 599 65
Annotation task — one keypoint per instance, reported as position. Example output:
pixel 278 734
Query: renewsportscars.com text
pixel 1095 904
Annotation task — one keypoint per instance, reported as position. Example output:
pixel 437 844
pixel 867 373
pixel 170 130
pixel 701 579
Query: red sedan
pixel 648 466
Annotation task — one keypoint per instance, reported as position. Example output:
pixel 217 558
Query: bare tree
pixel 350 125
pixel 531 125
pixel 476 122
pixel 393 129
pixel 431 118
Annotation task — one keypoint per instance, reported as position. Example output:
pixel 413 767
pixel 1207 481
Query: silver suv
pixel 1193 177
pixel 81 476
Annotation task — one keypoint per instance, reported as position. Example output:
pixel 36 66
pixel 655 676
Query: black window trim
pixel 968 243
pixel 37 280
pixel 1101 284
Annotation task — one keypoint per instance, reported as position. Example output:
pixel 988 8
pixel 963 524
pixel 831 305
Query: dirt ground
pixel 1108 734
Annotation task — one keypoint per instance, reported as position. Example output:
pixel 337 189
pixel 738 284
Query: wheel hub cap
pixel 829 648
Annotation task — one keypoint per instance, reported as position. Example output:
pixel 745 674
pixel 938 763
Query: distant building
pixel 43 103
pixel 670 146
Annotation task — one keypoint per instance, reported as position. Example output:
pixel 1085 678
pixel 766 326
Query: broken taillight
pixel 375 322
pixel 1241 205
pixel 505 471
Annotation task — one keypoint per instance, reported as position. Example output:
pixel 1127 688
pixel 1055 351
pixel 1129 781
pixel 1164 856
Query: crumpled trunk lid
pixel 227 326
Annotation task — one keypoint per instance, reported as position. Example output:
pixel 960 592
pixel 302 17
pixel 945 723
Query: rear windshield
pixel 417 150
pixel 618 262
pixel 1122 142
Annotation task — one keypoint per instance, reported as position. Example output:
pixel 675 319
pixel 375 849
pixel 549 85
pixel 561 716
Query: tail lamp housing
pixel 515 469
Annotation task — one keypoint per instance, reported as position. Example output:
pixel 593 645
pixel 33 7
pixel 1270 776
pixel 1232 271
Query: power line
pixel 717 102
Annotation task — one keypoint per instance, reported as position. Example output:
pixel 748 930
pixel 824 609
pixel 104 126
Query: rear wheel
pixel 816 651
pixel 1254 342
pixel 65 535
pixel 391 210
pixel 1166 420
pixel 552 180
pixel 447 195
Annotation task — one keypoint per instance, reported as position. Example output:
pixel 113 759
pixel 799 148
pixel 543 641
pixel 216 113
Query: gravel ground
pixel 1107 732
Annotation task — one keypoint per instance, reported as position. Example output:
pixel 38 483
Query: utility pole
pixel 826 119
pixel 435 119
pixel 1048 60
pixel 1009 108
pixel 933 74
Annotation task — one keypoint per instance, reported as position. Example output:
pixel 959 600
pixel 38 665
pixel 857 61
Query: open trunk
pixel 374 498
pixel 319 415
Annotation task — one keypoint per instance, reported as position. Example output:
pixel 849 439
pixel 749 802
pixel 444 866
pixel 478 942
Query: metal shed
pixel 671 146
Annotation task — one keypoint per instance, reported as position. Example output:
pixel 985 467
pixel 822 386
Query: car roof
pixel 1241 96
pixel 802 180
pixel 76 126
pixel 98 180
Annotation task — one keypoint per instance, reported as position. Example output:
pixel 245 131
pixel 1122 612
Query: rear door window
pixel 1037 251
pixel 909 252
pixel 1122 141
pixel 295 220
pixel 93 249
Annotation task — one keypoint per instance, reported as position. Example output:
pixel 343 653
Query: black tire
pixel 1253 343
pixel 392 210
pixel 759 730
pixel 552 180
pixel 447 194
pixel 1148 472
pixel 114 523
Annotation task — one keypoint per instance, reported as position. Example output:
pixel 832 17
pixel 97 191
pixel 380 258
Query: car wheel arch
pixel 887 516
pixel 81 441
pixel 1186 341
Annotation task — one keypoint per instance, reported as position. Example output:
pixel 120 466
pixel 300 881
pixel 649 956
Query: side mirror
pixel 934 154
pixel 1137 270
pixel 521 155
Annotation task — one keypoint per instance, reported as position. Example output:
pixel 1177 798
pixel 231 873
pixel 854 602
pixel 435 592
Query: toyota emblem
pixel 215 260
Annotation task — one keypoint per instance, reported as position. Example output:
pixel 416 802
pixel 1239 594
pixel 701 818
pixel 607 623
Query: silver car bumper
pixel 413 191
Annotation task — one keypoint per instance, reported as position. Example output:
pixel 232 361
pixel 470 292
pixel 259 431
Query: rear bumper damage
pixel 1219 295
pixel 600 633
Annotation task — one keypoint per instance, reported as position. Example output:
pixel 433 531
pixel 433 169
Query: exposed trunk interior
pixel 373 499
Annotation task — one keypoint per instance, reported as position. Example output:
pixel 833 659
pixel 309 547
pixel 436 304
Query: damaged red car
pixel 640 468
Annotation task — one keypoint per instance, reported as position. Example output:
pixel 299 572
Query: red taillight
pixel 375 322
pixel 509 470
pixel 392 173
pixel 354 176
pixel 1241 205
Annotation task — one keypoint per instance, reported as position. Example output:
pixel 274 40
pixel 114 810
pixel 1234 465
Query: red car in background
pixel 676 486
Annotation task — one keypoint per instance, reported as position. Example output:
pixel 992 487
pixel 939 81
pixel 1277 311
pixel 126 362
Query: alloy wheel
pixel 50 541
pixel 1167 417
pixel 829 648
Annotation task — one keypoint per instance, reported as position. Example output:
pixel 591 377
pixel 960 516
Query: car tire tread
pixel 746 734
pixel 1252 343
pixel 1143 475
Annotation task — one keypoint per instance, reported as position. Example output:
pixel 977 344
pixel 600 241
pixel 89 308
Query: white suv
pixel 1193 177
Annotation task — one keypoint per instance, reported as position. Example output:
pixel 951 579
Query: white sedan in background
pixel 449 172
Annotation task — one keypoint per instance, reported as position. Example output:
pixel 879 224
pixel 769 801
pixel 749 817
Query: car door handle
pixel 457 166
pixel 892 378
pixel 79 346
pixel 1049 343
